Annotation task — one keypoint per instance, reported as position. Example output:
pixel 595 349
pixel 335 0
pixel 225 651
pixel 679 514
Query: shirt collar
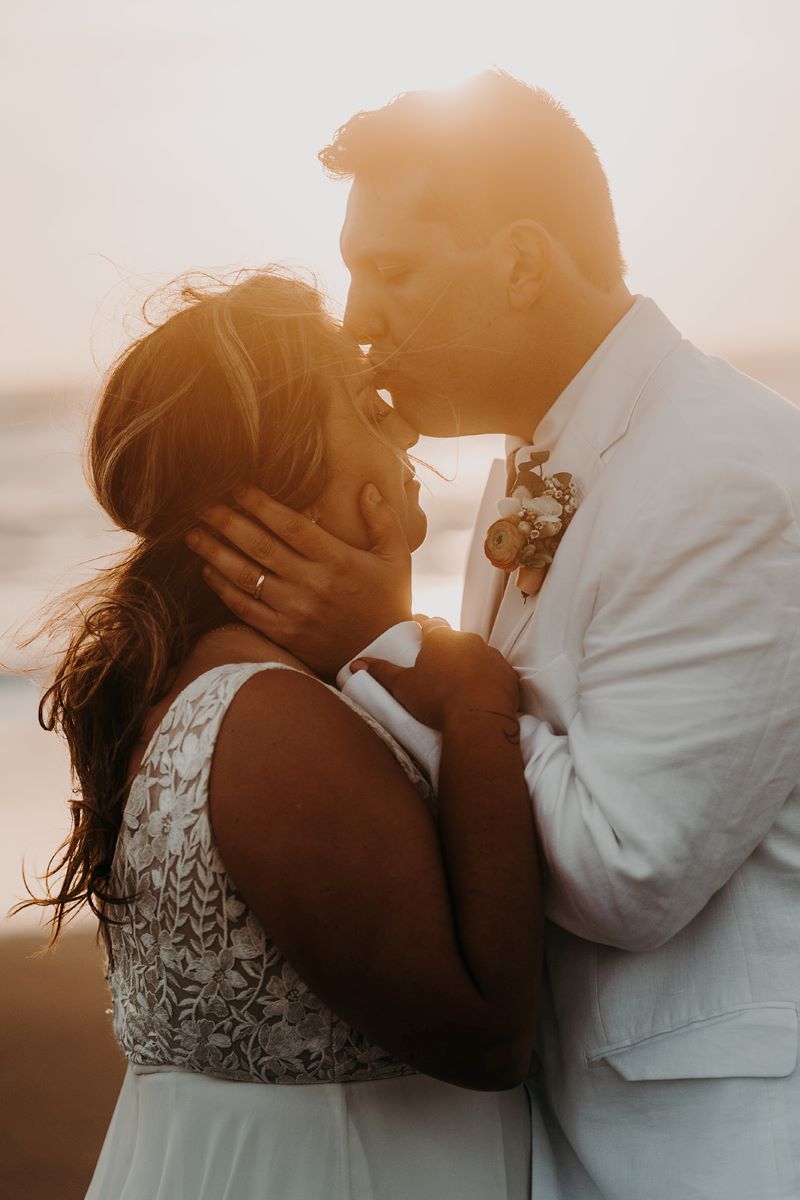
pixel 596 406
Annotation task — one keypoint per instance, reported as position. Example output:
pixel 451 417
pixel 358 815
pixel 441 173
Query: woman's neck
pixel 226 644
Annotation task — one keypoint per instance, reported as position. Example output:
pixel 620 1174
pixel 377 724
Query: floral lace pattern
pixel 195 982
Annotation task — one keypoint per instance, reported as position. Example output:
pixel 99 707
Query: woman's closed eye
pixel 392 272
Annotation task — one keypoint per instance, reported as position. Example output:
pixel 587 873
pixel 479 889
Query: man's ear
pixel 531 252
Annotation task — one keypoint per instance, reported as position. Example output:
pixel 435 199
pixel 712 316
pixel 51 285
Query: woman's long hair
pixel 233 388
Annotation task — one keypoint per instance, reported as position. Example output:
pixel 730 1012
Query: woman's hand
pixel 300 586
pixel 455 674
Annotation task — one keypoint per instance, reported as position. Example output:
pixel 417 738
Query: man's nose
pixel 362 320
pixel 408 435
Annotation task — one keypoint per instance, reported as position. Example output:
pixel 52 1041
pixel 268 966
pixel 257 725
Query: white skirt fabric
pixel 176 1135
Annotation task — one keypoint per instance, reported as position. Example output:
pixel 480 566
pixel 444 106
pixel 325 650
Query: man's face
pixel 433 312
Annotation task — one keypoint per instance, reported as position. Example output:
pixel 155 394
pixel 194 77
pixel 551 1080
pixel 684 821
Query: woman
pixel 279 904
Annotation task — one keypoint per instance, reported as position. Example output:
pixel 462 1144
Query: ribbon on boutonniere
pixel 533 520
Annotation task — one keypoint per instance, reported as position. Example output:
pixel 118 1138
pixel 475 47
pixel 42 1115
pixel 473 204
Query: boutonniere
pixel 533 520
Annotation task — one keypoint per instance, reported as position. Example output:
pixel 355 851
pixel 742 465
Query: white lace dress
pixel 242 1084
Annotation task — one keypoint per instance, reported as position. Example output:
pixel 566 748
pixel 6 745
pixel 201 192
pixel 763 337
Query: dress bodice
pixel 195 981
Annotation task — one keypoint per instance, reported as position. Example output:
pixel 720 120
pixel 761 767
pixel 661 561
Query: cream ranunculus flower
pixel 503 544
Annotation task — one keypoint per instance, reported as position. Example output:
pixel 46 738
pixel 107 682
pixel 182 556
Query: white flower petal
pixel 549 526
pixel 544 506
pixel 509 507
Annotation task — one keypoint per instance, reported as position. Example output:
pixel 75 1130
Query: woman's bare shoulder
pixel 225 646
pixel 288 727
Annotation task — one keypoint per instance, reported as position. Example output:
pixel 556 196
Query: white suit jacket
pixel 660 670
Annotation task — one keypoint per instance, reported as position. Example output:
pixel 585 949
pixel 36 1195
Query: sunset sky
pixel 141 139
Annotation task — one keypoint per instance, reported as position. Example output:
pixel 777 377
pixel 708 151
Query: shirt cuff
pixel 399 645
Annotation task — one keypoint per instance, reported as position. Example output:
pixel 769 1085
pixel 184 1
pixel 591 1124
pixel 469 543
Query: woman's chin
pixel 416 521
pixel 416 529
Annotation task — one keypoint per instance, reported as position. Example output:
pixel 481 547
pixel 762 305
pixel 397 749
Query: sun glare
pixel 159 138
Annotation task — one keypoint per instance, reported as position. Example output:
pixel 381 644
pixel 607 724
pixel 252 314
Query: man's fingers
pixel 430 623
pixel 387 674
pixel 383 524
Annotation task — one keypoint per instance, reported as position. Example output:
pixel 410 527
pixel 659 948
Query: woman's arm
pixel 426 939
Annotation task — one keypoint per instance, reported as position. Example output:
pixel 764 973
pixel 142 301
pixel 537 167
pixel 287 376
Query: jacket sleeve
pixel 686 742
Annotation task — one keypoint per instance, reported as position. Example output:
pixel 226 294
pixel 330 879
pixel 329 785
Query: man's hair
pixel 496 150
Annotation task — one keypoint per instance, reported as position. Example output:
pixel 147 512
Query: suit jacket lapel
pixel 587 420
pixel 512 616
pixel 483 583
pixel 569 454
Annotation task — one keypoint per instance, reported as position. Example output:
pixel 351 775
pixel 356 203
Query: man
pixel 659 663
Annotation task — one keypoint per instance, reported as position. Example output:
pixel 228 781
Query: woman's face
pixel 366 443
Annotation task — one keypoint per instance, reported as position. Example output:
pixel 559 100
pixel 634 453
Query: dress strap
pixel 186 737
pixel 195 716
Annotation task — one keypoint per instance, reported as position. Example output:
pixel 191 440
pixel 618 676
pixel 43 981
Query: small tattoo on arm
pixel 511 733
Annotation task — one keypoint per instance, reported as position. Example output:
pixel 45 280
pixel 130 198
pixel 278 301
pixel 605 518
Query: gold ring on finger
pixel 259 585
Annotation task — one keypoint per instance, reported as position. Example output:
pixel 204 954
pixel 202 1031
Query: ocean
pixel 52 535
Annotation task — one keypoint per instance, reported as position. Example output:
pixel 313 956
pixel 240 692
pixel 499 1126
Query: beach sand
pixel 60 1068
